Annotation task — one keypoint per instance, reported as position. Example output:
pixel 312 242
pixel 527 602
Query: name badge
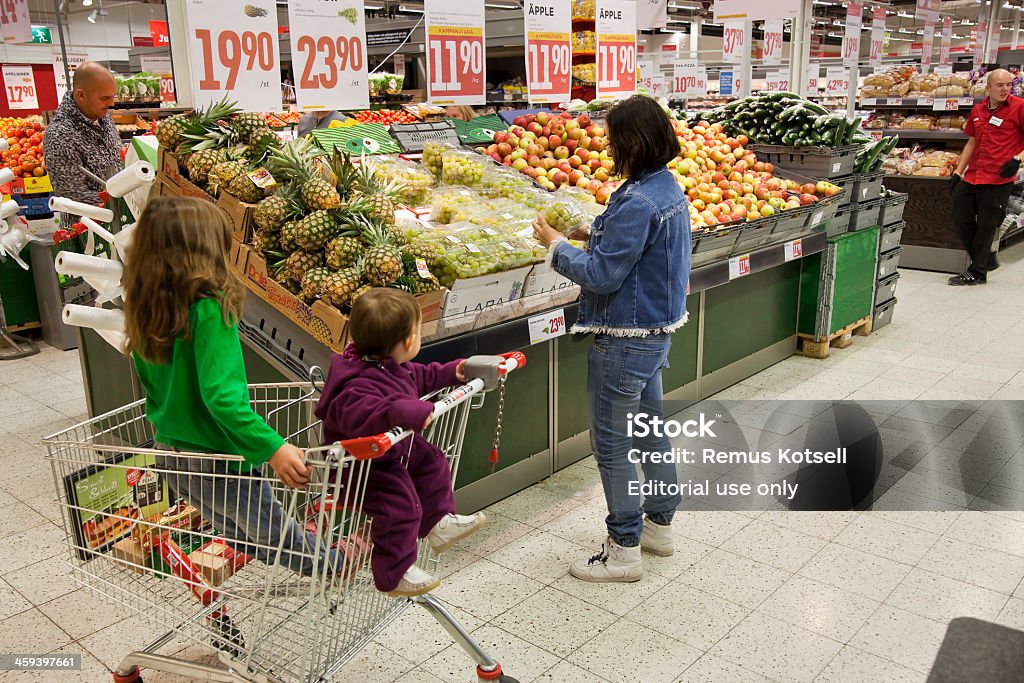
pixel 996 121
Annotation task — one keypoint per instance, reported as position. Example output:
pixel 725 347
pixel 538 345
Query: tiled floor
pixel 844 597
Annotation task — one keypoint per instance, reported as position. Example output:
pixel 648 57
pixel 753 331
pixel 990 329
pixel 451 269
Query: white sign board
pixel 772 42
pixel 735 41
pixel 15 21
pixel 548 29
pixel 75 59
pixel 851 38
pixel 156 64
pixel 616 48
pixel 20 87
pixel 651 14
pixel 837 81
pixel 756 10
pixel 690 78
pixel 328 41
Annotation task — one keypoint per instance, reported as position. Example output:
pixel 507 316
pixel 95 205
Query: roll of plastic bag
pixel 9 208
pixel 74 208
pixel 70 263
pixel 109 319
pixel 131 178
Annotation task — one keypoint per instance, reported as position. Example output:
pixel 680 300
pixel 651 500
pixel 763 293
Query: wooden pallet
pixel 808 346
pixel 26 326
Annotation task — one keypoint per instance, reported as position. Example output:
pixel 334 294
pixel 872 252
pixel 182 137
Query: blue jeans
pixel 242 507
pixel 625 377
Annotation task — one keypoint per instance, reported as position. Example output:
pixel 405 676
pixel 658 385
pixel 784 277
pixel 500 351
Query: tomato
pixel 36 125
pixel 38 171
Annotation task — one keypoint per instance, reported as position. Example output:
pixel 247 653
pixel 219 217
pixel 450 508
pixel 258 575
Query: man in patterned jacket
pixel 82 135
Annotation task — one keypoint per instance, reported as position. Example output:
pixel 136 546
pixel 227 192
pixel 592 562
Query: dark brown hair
pixel 178 255
pixel 381 319
pixel 641 136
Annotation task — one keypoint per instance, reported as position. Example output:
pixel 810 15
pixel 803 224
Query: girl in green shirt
pixel 182 303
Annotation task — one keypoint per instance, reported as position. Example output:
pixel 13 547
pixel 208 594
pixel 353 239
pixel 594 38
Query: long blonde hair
pixel 179 254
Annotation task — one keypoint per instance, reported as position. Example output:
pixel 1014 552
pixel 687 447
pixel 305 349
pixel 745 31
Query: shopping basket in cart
pixel 130 543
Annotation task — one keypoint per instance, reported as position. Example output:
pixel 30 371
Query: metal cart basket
pixel 290 606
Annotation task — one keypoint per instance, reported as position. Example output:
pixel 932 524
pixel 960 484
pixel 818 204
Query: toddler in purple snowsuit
pixel 371 388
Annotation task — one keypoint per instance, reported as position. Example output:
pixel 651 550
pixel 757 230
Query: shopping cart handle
pixel 513 360
pixel 369 447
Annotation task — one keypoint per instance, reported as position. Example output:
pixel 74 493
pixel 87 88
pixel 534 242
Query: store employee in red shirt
pixel 984 177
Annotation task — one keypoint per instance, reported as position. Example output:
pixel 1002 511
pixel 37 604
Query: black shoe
pixel 966 278
pixel 992 262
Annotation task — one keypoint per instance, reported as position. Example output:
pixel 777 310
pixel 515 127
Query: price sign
pixel 947 39
pixel 727 83
pixel 777 81
pixel 875 135
pixel 739 266
pixel 851 38
pixel 978 34
pixel 993 45
pixel 167 89
pixel 645 74
pixel 547 326
pixel 233 49
pixel 15 22
pixel 813 76
pixel 455 51
pixel 20 87
pixel 945 104
pixel 548 26
pixel 75 59
pixel 837 81
pixel 926 44
pixel 928 10
pixel 794 250
pixel 877 46
pixel 616 48
pixel 690 79
pixel 773 42
pixel 328 41
pixel 734 41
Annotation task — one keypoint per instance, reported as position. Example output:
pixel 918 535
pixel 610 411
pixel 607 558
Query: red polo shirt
pixel 998 135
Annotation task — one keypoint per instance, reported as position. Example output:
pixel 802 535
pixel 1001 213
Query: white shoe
pixel 614 563
pixel 453 528
pixel 656 539
pixel 414 582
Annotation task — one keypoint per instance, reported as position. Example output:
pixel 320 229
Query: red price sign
pixel 549 66
pixel 739 266
pixel 733 42
pixel 20 87
pixel 616 66
pixel 456 61
pixel 837 82
pixel 546 326
pixel 329 54
pixel 616 48
pixel 167 89
pixel 773 42
pixel 794 250
pixel 242 61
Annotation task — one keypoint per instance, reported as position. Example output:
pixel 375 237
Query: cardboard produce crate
pixel 175 184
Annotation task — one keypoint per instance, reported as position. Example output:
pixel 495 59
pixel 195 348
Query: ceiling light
pixel 92 16
pixel 86 3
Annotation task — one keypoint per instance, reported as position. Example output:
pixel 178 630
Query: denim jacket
pixel 634 272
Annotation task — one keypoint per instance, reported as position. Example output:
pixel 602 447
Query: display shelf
pixel 913 102
pixel 911 134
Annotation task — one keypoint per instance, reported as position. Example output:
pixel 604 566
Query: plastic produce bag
pixel 460 167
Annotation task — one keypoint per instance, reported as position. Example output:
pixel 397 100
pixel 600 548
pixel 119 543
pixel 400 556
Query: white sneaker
pixel 614 563
pixel 453 528
pixel 414 582
pixel 656 539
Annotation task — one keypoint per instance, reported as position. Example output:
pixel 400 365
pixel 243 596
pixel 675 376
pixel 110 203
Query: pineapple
pixel 429 252
pixel 223 173
pixel 313 282
pixel 380 198
pixel 382 261
pixel 200 163
pixel 414 284
pixel 358 293
pixel 242 187
pixel 342 252
pixel 171 132
pixel 247 123
pixel 294 162
pixel 288 235
pixel 339 287
pixel 313 231
pixel 301 262
pixel 344 172
pixel 265 242
pixel 271 213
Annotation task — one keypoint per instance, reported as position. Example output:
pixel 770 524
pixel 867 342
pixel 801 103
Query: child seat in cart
pixel 131 544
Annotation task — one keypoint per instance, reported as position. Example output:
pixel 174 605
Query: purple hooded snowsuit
pixel 405 497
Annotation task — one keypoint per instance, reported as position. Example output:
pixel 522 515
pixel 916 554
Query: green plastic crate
pixel 19 292
pixel 837 286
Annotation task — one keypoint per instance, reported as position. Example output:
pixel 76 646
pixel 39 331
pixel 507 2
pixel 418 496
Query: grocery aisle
pixel 746 597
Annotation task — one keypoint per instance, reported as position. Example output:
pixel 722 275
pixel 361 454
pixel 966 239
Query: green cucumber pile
pixel 785 118
pixel 872 155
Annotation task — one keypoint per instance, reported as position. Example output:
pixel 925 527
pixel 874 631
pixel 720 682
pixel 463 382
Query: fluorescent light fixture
pixel 372 8
pixel 86 3
pixel 906 15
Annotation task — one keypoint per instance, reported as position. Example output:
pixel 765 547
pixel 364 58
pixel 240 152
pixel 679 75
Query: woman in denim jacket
pixel 633 276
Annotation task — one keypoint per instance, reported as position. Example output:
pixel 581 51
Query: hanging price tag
pixel 813 78
pixel 548 50
pixel 20 87
pixel 739 266
pixel 794 250
pixel 616 48
pixel 167 89
pixel 233 49
pixel 946 42
pixel 733 41
pixel 851 37
pixel 837 81
pixel 690 78
pixel 328 40
pixel 547 326
pixel 455 51
pixel 15 23
pixel 773 42
pixel 927 43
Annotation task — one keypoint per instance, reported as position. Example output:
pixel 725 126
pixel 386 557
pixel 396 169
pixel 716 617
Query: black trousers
pixel 978 211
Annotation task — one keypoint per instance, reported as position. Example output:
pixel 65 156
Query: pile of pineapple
pixel 218 147
pixel 329 230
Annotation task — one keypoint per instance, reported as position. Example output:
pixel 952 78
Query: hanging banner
pixel 837 81
pixel 548 31
pixel 735 41
pixel 233 49
pixel 772 42
pixel 877 38
pixel 978 41
pixel 947 41
pixel 928 10
pixel 455 51
pixel 813 76
pixel 158 32
pixel 993 46
pixel 20 87
pixel 651 14
pixel 15 22
pixel 328 41
pixel 690 78
pixel 927 43
pixel 851 40
pixel 75 59
pixel 616 48
pixel 755 10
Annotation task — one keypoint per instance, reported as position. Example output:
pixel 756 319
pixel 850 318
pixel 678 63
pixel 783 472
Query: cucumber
pixel 854 128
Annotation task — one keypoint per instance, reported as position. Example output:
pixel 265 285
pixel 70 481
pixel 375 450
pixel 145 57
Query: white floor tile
pixel 777 547
pixel 1012 614
pixel 648 657
pixel 692 616
pixel 486 589
pixel 902 637
pixel 712 668
pixel 819 607
pixel 734 578
pixel 555 621
pixel 518 658
pixel 943 599
pixel 855 571
pixel 855 666
pixel 776 649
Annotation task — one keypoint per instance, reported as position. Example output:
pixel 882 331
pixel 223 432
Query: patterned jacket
pixel 73 141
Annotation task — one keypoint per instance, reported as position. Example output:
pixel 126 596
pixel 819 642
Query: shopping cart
pixel 130 542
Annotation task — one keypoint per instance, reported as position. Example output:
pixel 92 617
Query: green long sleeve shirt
pixel 199 399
